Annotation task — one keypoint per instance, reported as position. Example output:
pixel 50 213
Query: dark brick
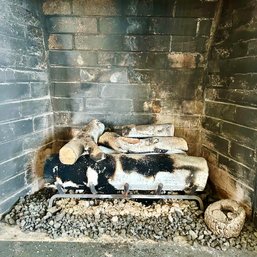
pixel 6 205
pixel 124 25
pixel 10 111
pixel 23 15
pixel 13 44
pixel 8 75
pixel 58 41
pixel 12 29
pixel 38 139
pixel 243 15
pixel 12 185
pixel 147 43
pixel 34 34
pixel 14 92
pixel 63 133
pixel 14 166
pixel 97 7
pixel 216 143
pixel 43 122
pixel 65 89
pixel 242 154
pixel 188 44
pixel 238 65
pixel 246 116
pixel 170 78
pixel 240 172
pixel 238 49
pixel 57 7
pixel 173 26
pixel 252 47
pixel 139 106
pixel 35 107
pixel 114 75
pixel 163 7
pixel 99 105
pixel 99 42
pixel 243 81
pixel 187 121
pixel 244 32
pixel 15 129
pixel 64 74
pixel 138 8
pixel 185 60
pixel 71 25
pixel 237 96
pixel 39 89
pixel 10 149
pixel 146 25
pixel 220 110
pixel 64 118
pixel 67 104
pixel 179 106
pixel 125 91
pixel 211 124
pixel 197 8
pixel 116 119
pixel 241 135
pixel 72 58
pixel 9 59
pixel 91 89
pixel 204 27
pixel 75 118
pixel 131 59
pixel 27 76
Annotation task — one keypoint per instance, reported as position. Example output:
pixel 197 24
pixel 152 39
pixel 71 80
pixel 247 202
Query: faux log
pixel 177 172
pixel 85 140
pixel 143 145
pixel 141 131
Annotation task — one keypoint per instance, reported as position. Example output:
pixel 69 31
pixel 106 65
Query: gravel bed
pixel 165 220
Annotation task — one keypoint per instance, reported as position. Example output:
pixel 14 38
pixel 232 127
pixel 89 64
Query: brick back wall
pixel 128 62
pixel 25 111
pixel 230 121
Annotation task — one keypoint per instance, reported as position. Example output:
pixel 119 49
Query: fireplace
pixel 189 63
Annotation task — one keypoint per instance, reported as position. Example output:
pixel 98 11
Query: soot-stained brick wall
pixel 25 109
pixel 128 62
pixel 230 121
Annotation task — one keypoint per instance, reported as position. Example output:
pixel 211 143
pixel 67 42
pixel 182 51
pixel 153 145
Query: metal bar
pixel 59 188
pixel 126 189
pixel 159 189
pixel 121 196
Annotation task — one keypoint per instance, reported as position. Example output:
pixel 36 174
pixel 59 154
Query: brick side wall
pixel 128 62
pixel 230 121
pixel 25 111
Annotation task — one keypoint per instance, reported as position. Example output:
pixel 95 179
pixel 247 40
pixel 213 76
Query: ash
pixel 178 221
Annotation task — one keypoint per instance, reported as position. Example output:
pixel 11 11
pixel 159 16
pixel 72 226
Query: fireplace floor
pixel 129 222
pixel 36 244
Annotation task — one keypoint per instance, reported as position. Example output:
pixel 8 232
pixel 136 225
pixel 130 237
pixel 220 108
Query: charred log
pixel 177 172
pixel 141 131
pixel 144 145
pixel 85 140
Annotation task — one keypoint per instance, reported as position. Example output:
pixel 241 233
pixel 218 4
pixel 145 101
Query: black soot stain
pixel 148 166
pixel 191 187
pixel 106 166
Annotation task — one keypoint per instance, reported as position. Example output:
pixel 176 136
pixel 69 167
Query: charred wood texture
pixel 144 145
pixel 85 140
